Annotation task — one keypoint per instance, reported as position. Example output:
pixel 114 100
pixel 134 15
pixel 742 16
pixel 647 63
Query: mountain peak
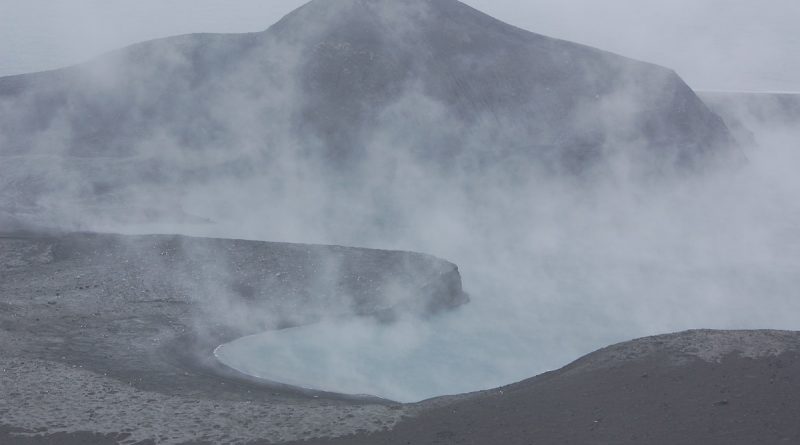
pixel 344 80
pixel 393 18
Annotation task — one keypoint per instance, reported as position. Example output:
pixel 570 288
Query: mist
pixel 557 261
pixel 556 269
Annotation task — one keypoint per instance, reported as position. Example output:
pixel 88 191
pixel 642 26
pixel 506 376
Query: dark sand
pixel 699 387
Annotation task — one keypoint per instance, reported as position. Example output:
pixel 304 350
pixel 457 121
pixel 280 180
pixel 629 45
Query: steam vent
pixel 175 219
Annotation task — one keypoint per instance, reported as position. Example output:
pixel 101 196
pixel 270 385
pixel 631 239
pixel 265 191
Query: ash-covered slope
pixel 709 387
pixel 113 335
pixel 346 84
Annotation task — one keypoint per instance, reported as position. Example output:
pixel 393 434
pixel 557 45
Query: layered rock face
pixel 348 88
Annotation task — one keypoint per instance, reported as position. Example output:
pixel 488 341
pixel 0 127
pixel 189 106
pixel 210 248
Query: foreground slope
pixel 709 387
pixel 347 89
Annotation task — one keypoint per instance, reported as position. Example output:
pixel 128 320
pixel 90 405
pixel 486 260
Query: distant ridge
pixel 343 83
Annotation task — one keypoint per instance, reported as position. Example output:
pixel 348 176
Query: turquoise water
pixel 405 361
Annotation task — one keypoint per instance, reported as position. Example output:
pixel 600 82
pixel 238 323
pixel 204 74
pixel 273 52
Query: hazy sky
pixel 713 44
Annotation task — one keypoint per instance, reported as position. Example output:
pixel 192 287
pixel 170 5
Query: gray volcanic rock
pixel 113 335
pixel 709 387
pixel 339 84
